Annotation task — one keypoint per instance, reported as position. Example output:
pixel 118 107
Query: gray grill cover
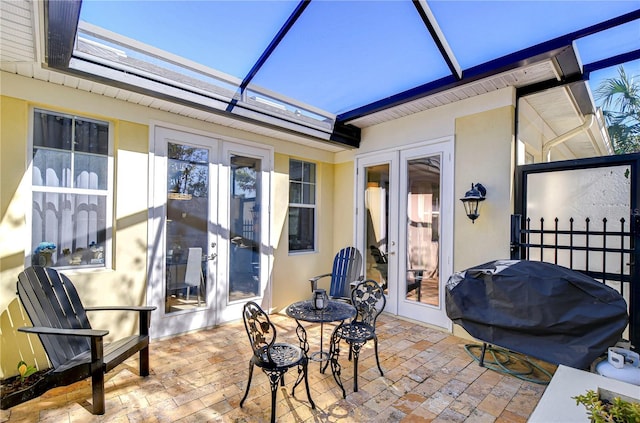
pixel 539 309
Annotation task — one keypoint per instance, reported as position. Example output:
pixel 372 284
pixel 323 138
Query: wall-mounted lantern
pixel 472 200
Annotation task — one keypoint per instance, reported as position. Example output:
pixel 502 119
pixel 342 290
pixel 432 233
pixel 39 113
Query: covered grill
pixel 539 309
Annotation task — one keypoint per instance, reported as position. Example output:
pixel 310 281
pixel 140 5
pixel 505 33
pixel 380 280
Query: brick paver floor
pixel 201 376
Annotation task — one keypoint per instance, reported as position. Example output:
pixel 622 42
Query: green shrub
pixel 603 411
pixel 25 370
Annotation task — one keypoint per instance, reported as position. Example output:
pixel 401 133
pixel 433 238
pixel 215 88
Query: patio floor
pixel 201 376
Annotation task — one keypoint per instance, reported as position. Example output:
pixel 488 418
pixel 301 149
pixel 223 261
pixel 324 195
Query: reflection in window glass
pixel 90 171
pixel 423 230
pixel 187 227
pixel 91 137
pixel 245 218
pixel 51 168
pixel 188 171
pixel 70 181
pixel 52 131
pixel 302 205
pixel 377 222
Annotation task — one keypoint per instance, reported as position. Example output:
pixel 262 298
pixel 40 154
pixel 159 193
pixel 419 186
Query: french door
pixel 406 228
pixel 208 234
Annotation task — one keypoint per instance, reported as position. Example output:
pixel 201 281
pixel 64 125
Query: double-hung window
pixel 302 206
pixel 72 174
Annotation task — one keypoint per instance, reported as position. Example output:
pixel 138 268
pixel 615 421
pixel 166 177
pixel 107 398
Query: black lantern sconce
pixel 472 200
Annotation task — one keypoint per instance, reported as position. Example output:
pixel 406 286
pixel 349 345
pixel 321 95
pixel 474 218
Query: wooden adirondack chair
pixel 75 350
pixel 347 268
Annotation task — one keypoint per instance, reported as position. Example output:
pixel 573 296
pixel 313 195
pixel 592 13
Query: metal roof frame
pixel 61 25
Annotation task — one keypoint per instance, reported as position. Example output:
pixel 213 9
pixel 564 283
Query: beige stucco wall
pixel 14 196
pixel 344 200
pixel 486 141
pixel 291 272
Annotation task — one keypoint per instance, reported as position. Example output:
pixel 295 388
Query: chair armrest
pixel 122 308
pixel 144 311
pixel 96 335
pixel 41 330
pixel 314 280
pixel 355 283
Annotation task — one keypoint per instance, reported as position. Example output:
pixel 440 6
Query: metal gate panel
pixel 604 247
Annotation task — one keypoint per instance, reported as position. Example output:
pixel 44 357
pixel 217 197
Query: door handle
pixel 213 255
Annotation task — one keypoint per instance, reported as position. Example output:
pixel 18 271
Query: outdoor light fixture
pixel 472 200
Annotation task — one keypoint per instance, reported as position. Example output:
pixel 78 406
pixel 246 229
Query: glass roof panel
pixel 605 44
pixel 129 58
pixel 228 36
pixel 480 31
pixel 343 54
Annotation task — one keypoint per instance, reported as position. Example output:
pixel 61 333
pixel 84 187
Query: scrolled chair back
pixel 261 332
pixel 369 300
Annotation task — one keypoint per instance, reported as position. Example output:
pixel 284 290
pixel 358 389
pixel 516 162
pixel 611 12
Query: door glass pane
pixel 376 233
pixel 423 231
pixel 244 237
pixel 187 229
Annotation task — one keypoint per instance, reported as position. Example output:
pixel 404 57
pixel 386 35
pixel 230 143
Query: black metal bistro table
pixel 336 311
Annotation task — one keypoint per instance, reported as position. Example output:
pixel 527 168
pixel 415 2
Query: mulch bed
pixel 14 392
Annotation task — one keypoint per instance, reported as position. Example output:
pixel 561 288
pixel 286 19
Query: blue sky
pixel 343 54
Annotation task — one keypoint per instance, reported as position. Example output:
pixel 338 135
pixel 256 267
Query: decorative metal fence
pixel 603 250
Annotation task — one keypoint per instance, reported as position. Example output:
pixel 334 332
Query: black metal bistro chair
pixel 369 300
pixel 275 359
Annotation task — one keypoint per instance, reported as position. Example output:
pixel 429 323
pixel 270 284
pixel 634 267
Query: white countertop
pixel 557 404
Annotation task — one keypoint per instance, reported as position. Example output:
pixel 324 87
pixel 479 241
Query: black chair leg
pixel 97 374
pixel 375 347
pixel 97 388
pixel 274 391
pixel 144 361
pixel 356 355
pixel 248 383
pixel 274 378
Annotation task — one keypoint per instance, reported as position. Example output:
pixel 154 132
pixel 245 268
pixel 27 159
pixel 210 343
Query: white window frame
pixel 313 206
pixel 108 244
